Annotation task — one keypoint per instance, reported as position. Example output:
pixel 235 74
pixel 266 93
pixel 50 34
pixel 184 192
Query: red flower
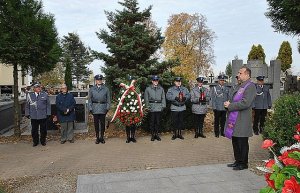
pixel 270 163
pixel 298 127
pixel 267 143
pixel 291 186
pixel 271 183
pixel 297 137
pixel 290 161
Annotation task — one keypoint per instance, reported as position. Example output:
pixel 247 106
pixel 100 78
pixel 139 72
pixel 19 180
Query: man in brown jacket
pixel 242 127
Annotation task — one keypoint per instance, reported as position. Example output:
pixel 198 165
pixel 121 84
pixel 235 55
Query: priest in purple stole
pixel 238 125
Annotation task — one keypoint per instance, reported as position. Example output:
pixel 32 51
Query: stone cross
pixel 211 78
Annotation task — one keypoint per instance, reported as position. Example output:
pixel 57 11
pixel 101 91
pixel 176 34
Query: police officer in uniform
pixel 156 101
pixel 99 104
pixel 219 94
pixel 261 103
pixel 199 98
pixel 38 109
pixel 178 95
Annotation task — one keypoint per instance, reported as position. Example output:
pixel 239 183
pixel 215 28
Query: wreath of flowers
pixel 282 173
pixel 129 105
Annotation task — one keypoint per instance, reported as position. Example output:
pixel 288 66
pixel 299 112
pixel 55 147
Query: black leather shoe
pixel 196 135
pixel 152 138
pixel 34 144
pixel 201 135
pixel 180 137
pixel 133 140
pixel 71 141
pixel 232 165
pixel 157 138
pixel 222 134
pixel 43 144
pixel 128 140
pixel 240 167
pixel 97 141
pixel 102 140
pixel 173 137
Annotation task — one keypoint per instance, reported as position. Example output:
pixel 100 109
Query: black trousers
pixel 37 124
pixel 259 118
pixel 177 120
pixel 240 149
pixel 220 118
pixel 199 121
pixel 99 120
pixel 130 131
pixel 155 121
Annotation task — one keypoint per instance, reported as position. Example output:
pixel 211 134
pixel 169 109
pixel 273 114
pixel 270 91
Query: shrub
pixel 280 125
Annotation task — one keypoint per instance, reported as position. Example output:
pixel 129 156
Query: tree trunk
pixel 17 129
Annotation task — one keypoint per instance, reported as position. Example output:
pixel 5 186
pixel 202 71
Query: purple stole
pixel 232 117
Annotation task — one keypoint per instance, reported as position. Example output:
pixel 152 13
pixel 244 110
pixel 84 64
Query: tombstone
pixel 7 114
pixel 258 68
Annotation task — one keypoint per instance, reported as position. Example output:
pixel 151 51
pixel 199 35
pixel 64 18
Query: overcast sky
pixel 238 25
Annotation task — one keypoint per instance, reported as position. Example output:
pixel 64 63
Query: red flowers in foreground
pixel 291 186
pixel 297 137
pixel 298 127
pixel 270 163
pixel 267 143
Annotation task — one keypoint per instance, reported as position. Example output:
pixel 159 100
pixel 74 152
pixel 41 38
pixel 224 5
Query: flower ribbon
pixel 128 89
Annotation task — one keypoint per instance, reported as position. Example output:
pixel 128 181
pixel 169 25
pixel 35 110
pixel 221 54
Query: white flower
pixel 132 93
pixel 132 110
pixel 127 111
pixel 122 91
pixel 132 100
pixel 140 94
pixel 127 104
pixel 138 107
pixel 124 108
pixel 133 107
pixel 142 100
pixel 135 111
pixel 122 111
pixel 128 96
pixel 136 101
pixel 131 103
pixel 143 105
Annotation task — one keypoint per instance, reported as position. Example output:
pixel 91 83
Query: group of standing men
pixel 223 101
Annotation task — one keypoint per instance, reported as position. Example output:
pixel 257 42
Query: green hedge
pixel 280 125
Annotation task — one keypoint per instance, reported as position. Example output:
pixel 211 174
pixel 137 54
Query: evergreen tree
pixel 78 56
pixel 68 74
pixel 257 53
pixel 228 70
pixel 131 45
pixel 28 41
pixel 285 55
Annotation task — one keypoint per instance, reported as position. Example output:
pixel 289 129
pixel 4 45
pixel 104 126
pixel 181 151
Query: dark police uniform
pixel 219 94
pixel 177 107
pixel 199 98
pixel 38 108
pixel 155 100
pixel 99 104
pixel 261 103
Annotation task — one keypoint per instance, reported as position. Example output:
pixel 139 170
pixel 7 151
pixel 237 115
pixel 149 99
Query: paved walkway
pixel 149 160
pixel 195 179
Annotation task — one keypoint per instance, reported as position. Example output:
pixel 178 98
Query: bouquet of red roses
pixel 283 172
pixel 130 107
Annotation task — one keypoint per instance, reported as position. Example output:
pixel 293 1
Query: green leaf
pixel 279 180
pixel 294 155
pixel 298 175
pixel 267 190
pixel 290 171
